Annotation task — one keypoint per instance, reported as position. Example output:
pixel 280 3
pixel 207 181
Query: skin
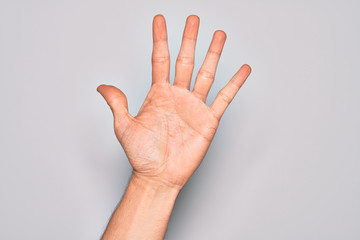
pixel 167 140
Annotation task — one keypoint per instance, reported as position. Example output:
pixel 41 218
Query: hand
pixel 171 134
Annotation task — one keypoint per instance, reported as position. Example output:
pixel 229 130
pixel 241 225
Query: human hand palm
pixel 174 127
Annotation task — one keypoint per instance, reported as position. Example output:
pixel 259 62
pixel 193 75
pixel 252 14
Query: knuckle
pixel 189 38
pixel 198 94
pixel 114 101
pixel 216 114
pixel 214 52
pixel 185 60
pixel 225 96
pixel 160 59
pixel 206 74
pixel 160 40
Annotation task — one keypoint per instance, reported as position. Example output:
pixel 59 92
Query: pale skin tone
pixel 167 140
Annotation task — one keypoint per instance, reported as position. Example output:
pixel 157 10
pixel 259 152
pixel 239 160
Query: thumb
pixel 117 102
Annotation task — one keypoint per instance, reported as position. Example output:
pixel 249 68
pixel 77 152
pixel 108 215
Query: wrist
pixel 144 211
pixel 153 183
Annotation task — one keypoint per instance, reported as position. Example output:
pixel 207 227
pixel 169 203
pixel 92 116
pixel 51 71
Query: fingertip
pixel 159 28
pixel 99 87
pixel 220 34
pixel 159 19
pixel 159 15
pixel 247 67
pixel 193 19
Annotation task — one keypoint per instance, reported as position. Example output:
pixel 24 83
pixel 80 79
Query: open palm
pixel 171 134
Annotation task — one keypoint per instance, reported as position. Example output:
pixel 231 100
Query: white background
pixel 284 163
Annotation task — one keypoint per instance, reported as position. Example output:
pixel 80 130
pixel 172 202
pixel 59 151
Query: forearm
pixel 143 212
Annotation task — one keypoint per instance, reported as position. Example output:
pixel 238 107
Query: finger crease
pixel 207 74
pixel 214 52
pixel 225 97
pixel 160 40
pixel 185 60
pixel 160 59
pixel 190 38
